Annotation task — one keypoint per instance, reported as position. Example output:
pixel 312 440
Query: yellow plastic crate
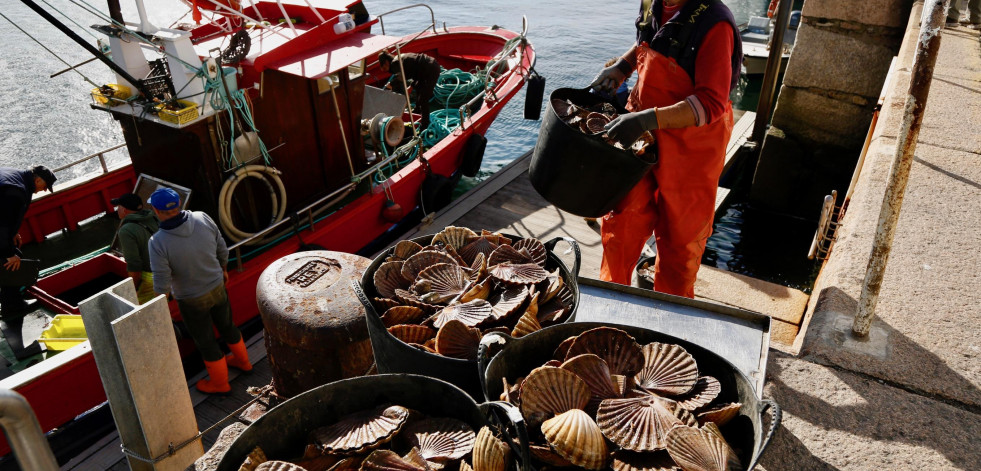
pixel 181 116
pixel 117 96
pixel 65 331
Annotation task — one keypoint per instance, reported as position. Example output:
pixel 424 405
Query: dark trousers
pixel 205 313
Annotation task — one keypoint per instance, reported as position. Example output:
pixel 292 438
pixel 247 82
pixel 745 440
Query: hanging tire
pixel 473 155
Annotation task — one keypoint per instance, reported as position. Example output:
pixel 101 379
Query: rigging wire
pixel 50 51
pixel 70 19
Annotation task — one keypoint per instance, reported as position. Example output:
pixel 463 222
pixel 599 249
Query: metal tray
pixel 740 336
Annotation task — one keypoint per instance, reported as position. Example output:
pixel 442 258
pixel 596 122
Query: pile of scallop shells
pixel 443 297
pixel 605 401
pixel 593 120
pixel 393 438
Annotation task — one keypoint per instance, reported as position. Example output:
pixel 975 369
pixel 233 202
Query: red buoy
pixel 392 212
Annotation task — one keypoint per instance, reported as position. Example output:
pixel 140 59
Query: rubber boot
pixel 217 381
pixel 239 358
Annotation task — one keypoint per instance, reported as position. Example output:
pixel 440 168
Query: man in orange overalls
pixel 688 57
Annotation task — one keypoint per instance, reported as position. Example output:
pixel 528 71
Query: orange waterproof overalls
pixel 676 200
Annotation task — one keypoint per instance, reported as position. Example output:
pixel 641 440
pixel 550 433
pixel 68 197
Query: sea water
pixel 48 121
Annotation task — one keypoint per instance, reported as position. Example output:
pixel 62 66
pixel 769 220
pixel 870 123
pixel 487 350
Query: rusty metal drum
pixel 315 326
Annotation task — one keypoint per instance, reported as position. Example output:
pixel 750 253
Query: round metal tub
pixel 394 356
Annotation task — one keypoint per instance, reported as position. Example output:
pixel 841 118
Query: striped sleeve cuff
pixel 701 117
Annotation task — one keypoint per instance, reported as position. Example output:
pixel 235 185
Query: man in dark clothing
pixel 421 73
pixel 16 188
pixel 138 224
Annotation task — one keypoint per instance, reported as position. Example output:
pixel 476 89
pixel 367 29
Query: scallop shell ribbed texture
pixel 361 431
pixel 574 436
pixel 669 370
pixel 619 349
pixel 641 423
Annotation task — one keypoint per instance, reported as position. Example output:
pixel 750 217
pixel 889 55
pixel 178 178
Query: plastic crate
pixel 181 116
pixel 65 331
pixel 118 95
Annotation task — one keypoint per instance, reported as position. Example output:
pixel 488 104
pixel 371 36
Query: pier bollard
pixel 136 353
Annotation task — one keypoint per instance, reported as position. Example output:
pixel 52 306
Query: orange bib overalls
pixel 676 200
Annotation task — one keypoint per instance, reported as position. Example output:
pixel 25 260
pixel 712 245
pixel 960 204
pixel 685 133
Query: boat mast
pixel 88 47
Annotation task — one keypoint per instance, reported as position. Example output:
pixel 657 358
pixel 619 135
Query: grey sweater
pixel 189 259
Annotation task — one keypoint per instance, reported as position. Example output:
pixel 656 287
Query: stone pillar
pixel 832 84
pixel 136 353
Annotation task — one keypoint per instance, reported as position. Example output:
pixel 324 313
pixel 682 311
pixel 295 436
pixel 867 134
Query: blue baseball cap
pixel 164 199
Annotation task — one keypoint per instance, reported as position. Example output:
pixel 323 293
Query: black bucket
pixel 744 433
pixel 282 432
pixel 394 356
pixel 577 173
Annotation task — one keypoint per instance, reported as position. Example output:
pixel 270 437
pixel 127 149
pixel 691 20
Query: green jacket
pixel 134 235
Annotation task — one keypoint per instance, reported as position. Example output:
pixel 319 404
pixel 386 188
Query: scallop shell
pixel 603 108
pixel 254 459
pixel 507 253
pixel 555 283
pixel 719 415
pixel 464 466
pixel 633 461
pixel 408 298
pixel 523 274
pixel 427 347
pixel 512 392
pixel 318 462
pixel 641 423
pixel 423 260
pixel 477 291
pixel 620 351
pixel 402 315
pixel 471 313
pixel 575 436
pixel 405 249
pixel 362 430
pixel 411 333
pixel 388 278
pixel 553 363
pixel 456 256
pixel 440 438
pixel 563 108
pixel 547 455
pixel 456 340
pixel 447 280
pixel 624 384
pixel 455 237
pixel 388 460
pixel 384 304
pixel 489 452
pixel 705 390
pixel 548 391
pixel 478 268
pixel 351 463
pixel 700 449
pixel 535 248
pixel 495 237
pixel 594 371
pixel 669 370
pixel 595 123
pixel 481 245
pixel 557 309
pixel 509 302
pixel 528 322
pixel 562 350
pixel 279 466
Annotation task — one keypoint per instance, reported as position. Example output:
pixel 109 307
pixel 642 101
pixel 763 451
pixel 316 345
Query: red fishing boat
pixel 272 116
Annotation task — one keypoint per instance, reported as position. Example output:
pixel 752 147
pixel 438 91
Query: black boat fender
pixel 473 155
pixel 437 190
pixel 533 95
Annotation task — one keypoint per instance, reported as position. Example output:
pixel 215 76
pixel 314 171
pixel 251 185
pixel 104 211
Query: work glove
pixel 610 78
pixel 627 128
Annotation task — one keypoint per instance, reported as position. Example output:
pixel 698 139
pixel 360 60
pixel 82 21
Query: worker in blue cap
pixel 188 257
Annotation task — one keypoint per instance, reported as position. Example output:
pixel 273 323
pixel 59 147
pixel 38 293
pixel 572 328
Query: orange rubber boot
pixel 217 381
pixel 239 358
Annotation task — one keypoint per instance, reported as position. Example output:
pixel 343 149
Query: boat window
pixel 356 69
